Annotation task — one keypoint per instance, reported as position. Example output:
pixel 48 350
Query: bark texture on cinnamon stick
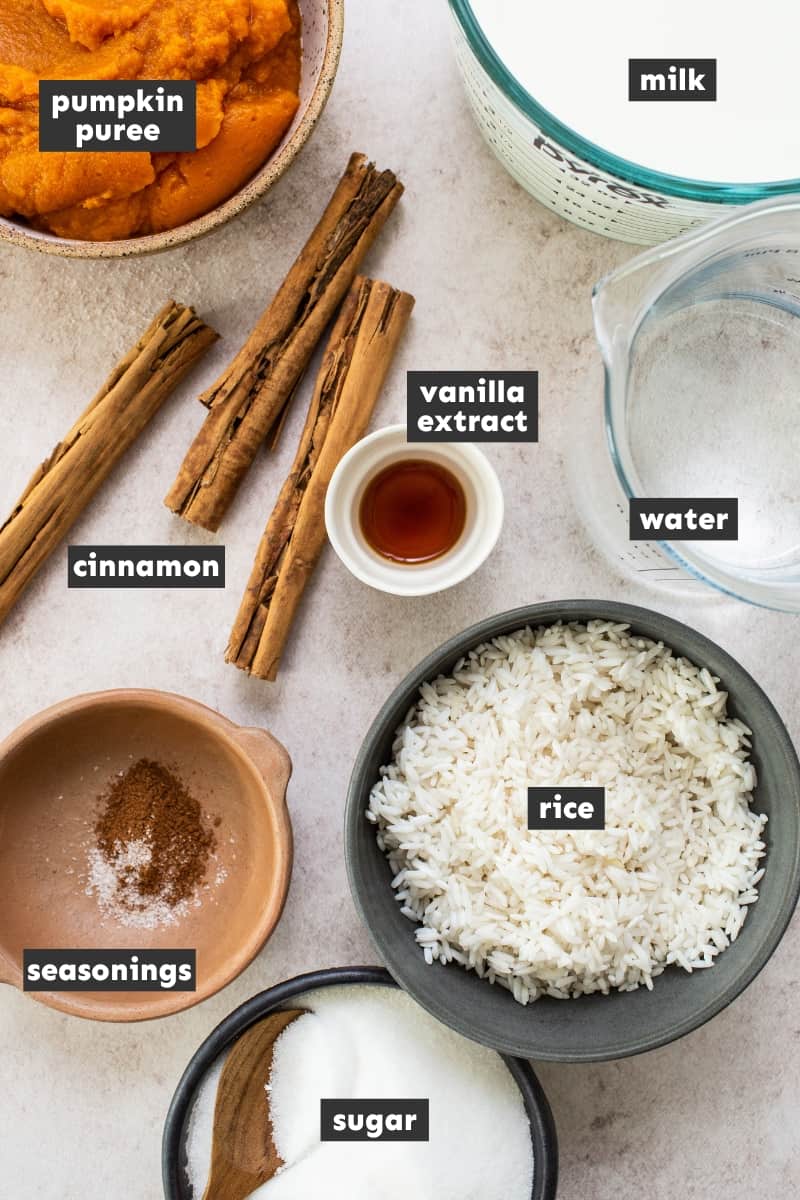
pixel 65 483
pixel 248 402
pixel 361 348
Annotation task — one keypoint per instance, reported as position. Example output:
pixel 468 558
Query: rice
pixel 567 913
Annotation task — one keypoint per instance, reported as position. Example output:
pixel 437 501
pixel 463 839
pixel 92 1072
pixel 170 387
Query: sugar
pixel 373 1043
pixel 199 1135
pixel 573 59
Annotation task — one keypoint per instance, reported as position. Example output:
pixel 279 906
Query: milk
pixel 572 58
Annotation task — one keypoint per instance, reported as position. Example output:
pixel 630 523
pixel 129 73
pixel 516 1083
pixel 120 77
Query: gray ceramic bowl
pixel 323 26
pixel 173 1149
pixel 590 1028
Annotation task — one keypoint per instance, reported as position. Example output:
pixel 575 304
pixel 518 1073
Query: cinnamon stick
pixel 65 483
pixel 357 359
pixel 249 400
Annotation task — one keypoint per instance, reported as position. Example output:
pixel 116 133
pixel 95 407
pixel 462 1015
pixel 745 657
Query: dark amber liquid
pixel 413 511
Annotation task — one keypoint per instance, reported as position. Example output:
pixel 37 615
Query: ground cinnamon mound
pixel 148 806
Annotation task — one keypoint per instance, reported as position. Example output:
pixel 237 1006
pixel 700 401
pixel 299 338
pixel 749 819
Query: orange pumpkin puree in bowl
pixel 245 56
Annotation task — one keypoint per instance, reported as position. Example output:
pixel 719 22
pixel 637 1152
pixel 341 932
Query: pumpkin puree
pixel 245 55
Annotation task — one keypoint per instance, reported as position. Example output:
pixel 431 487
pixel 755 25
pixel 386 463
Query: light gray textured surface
pixel 500 282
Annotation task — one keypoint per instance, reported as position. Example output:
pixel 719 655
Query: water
pixel 714 411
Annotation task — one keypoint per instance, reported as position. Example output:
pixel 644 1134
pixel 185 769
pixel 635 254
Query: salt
pixel 118 897
pixel 376 1043
pixel 573 59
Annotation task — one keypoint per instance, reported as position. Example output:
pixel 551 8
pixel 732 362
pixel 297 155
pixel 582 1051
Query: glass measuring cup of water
pixel 701 344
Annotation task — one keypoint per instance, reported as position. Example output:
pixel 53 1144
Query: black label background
pixel 108 958
pixel 596 795
pixel 138 554
pixel 177 131
pixel 637 532
pixel 419 1133
pixel 417 405
pixel 637 67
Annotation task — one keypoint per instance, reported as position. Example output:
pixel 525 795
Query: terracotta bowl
pixel 323 28
pixel 52 771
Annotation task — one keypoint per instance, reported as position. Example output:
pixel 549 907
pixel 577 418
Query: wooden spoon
pixel 243 1154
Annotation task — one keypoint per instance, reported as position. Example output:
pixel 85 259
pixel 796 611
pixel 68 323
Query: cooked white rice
pixel 560 913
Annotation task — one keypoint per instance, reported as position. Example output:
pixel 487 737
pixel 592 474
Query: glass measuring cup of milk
pixel 548 85
pixel 701 344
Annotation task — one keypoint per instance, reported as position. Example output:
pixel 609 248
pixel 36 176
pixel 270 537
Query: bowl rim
pixel 256 186
pixel 544 1138
pixel 400 700
pixel 220 727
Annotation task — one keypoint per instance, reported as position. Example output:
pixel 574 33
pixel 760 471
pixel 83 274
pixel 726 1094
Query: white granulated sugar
pixel 566 913
pixel 200 1133
pixel 573 59
pixel 372 1043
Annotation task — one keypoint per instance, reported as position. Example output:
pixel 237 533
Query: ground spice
pixel 152 831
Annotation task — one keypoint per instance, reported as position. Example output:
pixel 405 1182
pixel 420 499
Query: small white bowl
pixel 482 526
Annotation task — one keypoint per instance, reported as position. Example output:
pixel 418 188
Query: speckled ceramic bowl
pixel 590 1028
pixel 323 27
